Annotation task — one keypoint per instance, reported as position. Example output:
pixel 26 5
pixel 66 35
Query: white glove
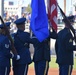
pixel 18 57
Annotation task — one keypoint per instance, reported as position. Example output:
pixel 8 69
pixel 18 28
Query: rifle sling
pixel 25 44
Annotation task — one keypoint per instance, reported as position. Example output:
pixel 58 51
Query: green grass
pixel 75 63
pixel 55 65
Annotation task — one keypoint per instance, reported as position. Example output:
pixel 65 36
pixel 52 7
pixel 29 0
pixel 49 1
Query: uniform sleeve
pixel 30 39
pixel 53 35
pixel 69 42
pixel 33 39
pixel 8 55
pixel 6 46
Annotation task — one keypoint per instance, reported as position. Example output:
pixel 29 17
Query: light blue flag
pixel 39 20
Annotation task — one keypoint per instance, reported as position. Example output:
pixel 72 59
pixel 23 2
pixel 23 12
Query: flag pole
pixel 9 36
pixel 68 23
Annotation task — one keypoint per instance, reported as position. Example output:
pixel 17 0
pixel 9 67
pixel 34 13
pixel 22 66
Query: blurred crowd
pixel 12 18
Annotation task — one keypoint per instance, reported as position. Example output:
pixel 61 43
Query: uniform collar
pixel 20 30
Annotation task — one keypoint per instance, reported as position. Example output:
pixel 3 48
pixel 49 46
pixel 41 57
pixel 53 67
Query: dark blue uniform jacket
pixel 5 54
pixel 42 49
pixel 64 47
pixel 21 43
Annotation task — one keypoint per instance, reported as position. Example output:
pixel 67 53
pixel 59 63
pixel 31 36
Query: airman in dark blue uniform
pixel 41 56
pixel 5 54
pixel 21 43
pixel 64 49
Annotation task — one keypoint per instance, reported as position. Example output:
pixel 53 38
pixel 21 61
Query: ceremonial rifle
pixel 67 22
pixel 9 36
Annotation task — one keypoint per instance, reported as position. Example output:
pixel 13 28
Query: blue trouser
pixel 4 70
pixel 20 69
pixel 65 69
pixel 41 67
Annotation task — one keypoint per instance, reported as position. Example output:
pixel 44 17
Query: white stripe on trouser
pixel 69 69
pixel 25 70
pixel 46 68
pixel 6 71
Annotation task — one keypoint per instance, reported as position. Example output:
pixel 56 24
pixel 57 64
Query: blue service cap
pixel 20 21
pixel 70 18
pixel 6 23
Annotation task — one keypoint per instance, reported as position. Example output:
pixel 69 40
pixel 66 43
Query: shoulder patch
pixel 6 45
pixel 70 40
